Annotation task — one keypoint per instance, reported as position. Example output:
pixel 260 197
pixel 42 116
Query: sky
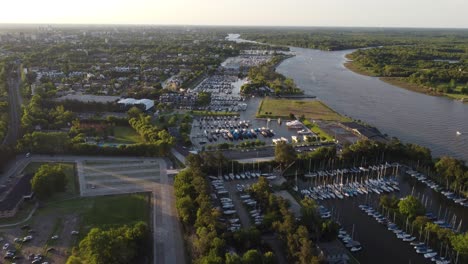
pixel 364 13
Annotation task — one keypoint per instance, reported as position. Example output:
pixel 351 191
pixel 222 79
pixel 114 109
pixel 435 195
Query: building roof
pixel 130 101
pixel 368 132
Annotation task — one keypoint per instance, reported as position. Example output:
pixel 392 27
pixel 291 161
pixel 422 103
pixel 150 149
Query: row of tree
pixel 199 218
pixel 410 212
pixel 150 133
pixel 4 110
pixel 343 39
pixel 38 115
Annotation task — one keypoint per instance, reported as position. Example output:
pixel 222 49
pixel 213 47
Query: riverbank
pixel 401 83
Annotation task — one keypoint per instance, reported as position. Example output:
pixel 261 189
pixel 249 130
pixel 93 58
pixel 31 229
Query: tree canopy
pixel 48 179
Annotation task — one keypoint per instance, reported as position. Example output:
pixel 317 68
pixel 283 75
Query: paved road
pixel 168 240
pixel 14 102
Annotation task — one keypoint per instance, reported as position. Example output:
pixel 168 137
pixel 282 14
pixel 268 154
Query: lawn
pixel 105 211
pixel 311 109
pixel 118 210
pixel 125 135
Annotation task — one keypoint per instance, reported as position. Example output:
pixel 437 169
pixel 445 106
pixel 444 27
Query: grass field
pixel 104 211
pixel 311 109
pixel 118 210
pixel 125 135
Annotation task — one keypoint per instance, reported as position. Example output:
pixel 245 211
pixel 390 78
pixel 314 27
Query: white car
pixel 74 232
pixel 6 246
pixel 54 237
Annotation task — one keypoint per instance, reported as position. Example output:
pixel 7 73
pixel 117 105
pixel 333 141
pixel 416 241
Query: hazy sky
pixel 374 13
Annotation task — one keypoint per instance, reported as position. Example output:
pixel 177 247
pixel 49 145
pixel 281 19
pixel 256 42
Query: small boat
pixel 459 133
pixel 430 254
pixel 355 249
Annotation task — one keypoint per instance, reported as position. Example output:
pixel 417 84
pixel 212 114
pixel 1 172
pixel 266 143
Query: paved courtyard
pixel 103 177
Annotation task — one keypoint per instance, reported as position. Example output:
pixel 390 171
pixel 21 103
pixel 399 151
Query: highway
pixel 14 101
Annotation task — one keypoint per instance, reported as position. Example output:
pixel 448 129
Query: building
pixel 11 202
pixel 364 132
pixel 147 104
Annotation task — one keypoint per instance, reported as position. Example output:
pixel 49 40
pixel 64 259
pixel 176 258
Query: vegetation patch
pixel 286 108
pixel 117 210
pixel 125 135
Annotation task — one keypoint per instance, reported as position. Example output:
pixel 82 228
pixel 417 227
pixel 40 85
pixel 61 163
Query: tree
pixel 329 230
pixel 411 207
pixel 74 260
pixel 269 258
pixel 252 257
pixel 284 153
pixel 305 252
pixel 460 244
pixel 310 217
pixel 233 258
pixel 261 190
pixel 203 99
pixel 48 180
pixel 117 245
pixel 134 112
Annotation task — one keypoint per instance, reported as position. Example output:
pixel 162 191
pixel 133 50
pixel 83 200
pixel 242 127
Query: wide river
pixel 412 117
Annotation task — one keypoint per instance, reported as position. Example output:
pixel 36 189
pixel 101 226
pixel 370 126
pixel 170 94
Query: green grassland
pixel 104 211
pixel 125 135
pixel 310 109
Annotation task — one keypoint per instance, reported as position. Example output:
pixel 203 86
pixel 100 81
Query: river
pixel 429 121
pixel 413 117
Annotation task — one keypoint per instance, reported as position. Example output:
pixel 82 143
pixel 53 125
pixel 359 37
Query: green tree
pixel 74 260
pixel 284 153
pixel 269 258
pixel 460 244
pixel 233 258
pixel 134 112
pixel 48 180
pixel 310 217
pixel 252 257
pixel 116 245
pixel 411 207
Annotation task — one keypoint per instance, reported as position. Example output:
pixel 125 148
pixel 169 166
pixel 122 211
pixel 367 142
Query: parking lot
pixel 231 196
pixel 46 238
pixel 117 176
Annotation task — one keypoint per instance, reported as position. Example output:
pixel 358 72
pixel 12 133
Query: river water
pixel 412 117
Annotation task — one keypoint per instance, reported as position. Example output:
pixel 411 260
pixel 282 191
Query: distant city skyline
pixel 328 13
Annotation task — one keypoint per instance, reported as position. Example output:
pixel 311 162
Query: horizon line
pixel 220 25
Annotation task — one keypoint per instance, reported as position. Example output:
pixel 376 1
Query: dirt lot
pixel 42 227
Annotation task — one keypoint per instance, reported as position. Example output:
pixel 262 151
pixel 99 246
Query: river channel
pixel 412 117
